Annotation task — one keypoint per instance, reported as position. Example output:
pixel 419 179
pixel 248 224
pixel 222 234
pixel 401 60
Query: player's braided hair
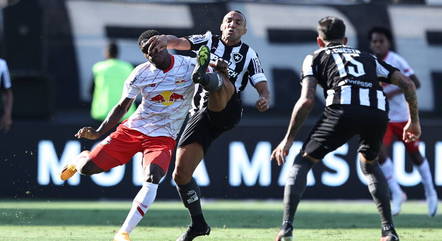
pixel 331 28
pixel 146 35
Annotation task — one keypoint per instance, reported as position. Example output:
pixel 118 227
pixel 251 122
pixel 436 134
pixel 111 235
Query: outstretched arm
pixel 160 42
pixel 412 130
pixel 300 112
pixel 112 119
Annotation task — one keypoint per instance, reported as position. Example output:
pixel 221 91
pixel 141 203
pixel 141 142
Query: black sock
pixel 198 221
pixel 190 195
pixel 295 187
pixel 212 82
pixel 377 185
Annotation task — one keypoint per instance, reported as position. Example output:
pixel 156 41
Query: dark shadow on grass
pixel 216 218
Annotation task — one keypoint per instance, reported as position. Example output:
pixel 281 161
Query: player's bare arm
pixel 160 42
pixel 263 102
pixel 413 78
pixel 300 112
pixel 412 130
pixel 112 119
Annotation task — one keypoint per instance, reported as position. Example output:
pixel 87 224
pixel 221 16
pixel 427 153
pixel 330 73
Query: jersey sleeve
pixel 5 78
pixel 404 67
pixel 307 67
pixel 130 88
pixel 198 40
pixel 255 70
pixel 384 70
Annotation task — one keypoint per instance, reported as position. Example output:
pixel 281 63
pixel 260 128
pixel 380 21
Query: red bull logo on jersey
pixel 167 98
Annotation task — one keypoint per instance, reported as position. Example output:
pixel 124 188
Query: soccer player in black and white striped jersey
pixel 7 97
pixel 355 105
pixel 215 109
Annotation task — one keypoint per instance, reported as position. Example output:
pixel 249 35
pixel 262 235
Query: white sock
pixel 141 203
pixel 81 160
pixel 427 179
pixel 388 170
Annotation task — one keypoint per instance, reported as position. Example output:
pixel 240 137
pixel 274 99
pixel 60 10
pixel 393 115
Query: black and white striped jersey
pixel 5 79
pixel 349 76
pixel 244 64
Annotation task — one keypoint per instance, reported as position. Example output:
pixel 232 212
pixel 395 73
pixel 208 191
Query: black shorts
pixel 205 126
pixel 339 123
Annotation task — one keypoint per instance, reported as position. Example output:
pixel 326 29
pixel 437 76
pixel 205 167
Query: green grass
pixel 230 220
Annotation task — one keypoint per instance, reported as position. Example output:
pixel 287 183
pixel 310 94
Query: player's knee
pixel 309 158
pixel 369 156
pixel 153 179
pixel 181 177
pixel 367 165
pixel 416 158
pixel 154 174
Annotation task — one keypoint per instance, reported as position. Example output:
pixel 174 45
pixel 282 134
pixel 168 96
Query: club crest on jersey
pixel 237 57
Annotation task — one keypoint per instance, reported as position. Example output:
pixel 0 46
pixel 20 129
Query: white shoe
pixel 396 202
pixel 432 202
pixel 122 236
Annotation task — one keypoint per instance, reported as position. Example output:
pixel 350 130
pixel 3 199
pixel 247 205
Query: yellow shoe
pixel 122 236
pixel 68 171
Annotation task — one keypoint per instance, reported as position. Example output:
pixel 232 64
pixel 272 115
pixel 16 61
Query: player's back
pixel 349 76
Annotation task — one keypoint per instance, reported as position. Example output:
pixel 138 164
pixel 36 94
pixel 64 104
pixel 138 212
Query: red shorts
pixel 120 146
pixel 395 130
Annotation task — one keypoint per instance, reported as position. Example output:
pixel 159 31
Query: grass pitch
pixel 230 220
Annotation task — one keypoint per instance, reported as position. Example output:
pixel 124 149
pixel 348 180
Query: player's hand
pixel 262 104
pixel 220 65
pixel 412 132
pixel 156 44
pixel 281 151
pixel 5 123
pixel 88 133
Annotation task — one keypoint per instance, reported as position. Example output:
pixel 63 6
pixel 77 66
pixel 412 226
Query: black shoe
pixel 202 62
pixel 389 233
pixel 191 233
pixel 285 233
